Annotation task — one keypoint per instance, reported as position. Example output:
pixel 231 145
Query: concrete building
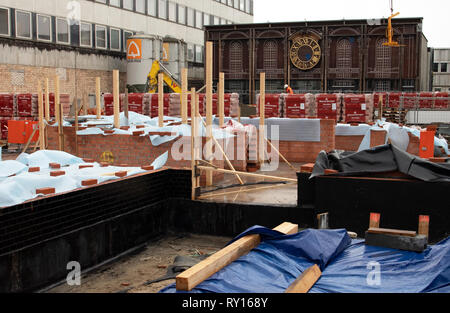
pixel 79 40
pixel 441 70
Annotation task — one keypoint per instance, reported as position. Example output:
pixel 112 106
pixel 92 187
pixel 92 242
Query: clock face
pixel 305 53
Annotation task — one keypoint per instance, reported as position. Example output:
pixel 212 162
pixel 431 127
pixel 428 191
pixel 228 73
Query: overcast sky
pixel 436 13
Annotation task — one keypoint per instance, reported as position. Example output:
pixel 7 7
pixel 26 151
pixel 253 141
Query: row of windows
pixel 90 36
pixel 173 12
pixel 440 67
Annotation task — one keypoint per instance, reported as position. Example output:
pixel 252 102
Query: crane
pixel 390 30
pixel 152 78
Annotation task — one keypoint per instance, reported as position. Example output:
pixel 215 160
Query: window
pixel 115 3
pixel 382 59
pixel 62 31
pixel 236 57
pixel 206 19
pixel 101 1
pixel 242 5
pixel 190 52
pixel 444 67
pixel 198 54
pixel 126 35
pixel 128 4
pixel 182 14
pixel 343 58
pixel 190 17
pixel 140 6
pixel 230 3
pixel 23 24
pixel 236 4
pixel 85 35
pixel 270 54
pixel 44 28
pixel 247 6
pixel 198 19
pixel 172 11
pixel 216 20
pixel 100 37
pixel 162 10
pixel 114 39
pixel 151 7
pixel 435 67
pixel 4 22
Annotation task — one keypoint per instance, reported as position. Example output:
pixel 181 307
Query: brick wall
pixel 414 144
pixel 348 143
pixel 377 138
pixel 76 83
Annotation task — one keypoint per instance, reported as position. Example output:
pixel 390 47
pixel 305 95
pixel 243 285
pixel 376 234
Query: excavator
pixel 152 79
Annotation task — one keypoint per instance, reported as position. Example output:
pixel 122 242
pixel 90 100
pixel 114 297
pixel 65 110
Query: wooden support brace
pixel 279 153
pixel 221 96
pixel 247 174
pixel 305 281
pixel 190 278
pixel 98 102
pixel 116 96
pixel 41 117
pixel 209 108
pixel 262 114
pixel 160 100
pixel 194 134
pixel 47 100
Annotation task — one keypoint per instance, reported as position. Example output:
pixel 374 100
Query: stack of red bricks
pixel 298 105
pixel 393 100
pixel 272 106
pixel 441 100
pixel 357 108
pixel 426 100
pixel 409 100
pixel 7 111
pixel 137 102
pixel 328 106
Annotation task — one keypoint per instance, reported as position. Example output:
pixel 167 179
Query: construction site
pixel 300 157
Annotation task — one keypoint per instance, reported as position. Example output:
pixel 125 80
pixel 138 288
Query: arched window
pixel 270 54
pixel 383 59
pixel 236 57
pixel 344 58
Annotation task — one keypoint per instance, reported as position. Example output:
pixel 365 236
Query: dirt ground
pixel 131 272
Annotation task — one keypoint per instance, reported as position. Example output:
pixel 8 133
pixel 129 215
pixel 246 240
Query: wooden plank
pixel 209 109
pixel 396 232
pixel 184 92
pixel 424 224
pixel 195 179
pixel 221 98
pixel 220 170
pixel 262 100
pixel 116 96
pixel 305 281
pixel 98 101
pixel 126 106
pixel 160 100
pixel 47 100
pixel 41 117
pixel 190 278
pixel 58 113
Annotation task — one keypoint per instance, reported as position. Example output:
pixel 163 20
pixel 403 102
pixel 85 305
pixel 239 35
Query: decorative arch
pixel 343 57
pixel 235 35
pixel 383 58
pixel 270 33
pixel 270 54
pixel 345 31
pixel 236 57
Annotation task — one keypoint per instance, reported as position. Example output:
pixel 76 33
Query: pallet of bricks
pixel 327 106
pixel 441 100
pixel 273 106
pixel 394 110
pixel 231 104
pixel 357 108
pixel 298 105
pixel 7 112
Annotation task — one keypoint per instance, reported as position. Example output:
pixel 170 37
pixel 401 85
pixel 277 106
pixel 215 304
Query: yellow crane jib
pixel 390 33
pixel 152 79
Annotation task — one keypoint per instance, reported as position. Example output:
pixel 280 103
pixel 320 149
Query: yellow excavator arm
pixel 152 79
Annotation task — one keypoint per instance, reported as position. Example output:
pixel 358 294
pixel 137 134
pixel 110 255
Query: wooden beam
pixel 209 109
pixel 75 104
pixel 47 100
pixel 396 232
pixel 305 281
pixel 262 114
pixel 160 100
pixel 58 114
pixel 220 170
pixel 116 99
pixel 211 195
pixel 41 117
pixel 190 278
pixel 98 101
pixel 424 225
pixel 125 107
pixel 221 98
pixel 194 134
pixel 184 93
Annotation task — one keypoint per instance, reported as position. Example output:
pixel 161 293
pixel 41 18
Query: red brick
pixel 148 168
pixel 108 131
pixel 89 160
pixel 55 165
pixel 330 171
pixel 57 173
pixel 138 133
pixel 89 182
pixel 140 126
pixel 34 169
pixel 85 166
pixel 45 191
pixel 104 164
pixel 125 127
pixel 307 168
pixel 438 160
pixel 121 174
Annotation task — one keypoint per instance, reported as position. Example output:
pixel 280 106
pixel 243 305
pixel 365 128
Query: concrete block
pixel 417 244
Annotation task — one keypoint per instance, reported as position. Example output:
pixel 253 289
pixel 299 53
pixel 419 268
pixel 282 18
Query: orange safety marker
pixel 374 220
pixel 424 225
pixel 426 144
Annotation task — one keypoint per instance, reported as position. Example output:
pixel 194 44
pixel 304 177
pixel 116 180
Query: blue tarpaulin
pixel 347 266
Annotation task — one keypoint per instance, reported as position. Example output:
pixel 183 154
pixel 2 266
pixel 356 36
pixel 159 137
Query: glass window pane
pixel 181 14
pixel 85 34
pixel 151 7
pixel 140 6
pixel 126 35
pixel 199 54
pixel 128 4
pixel 236 4
pixel 162 9
pixel 242 5
pixel 198 19
pixel 444 67
pixel 115 39
pixel 247 6
pixel 216 20
pixel 44 27
pixel 100 36
pixel 4 21
pixel 101 1
pixel 23 21
pixel 62 30
pixel 172 12
pixel 206 19
pixel 190 52
pixel 190 17
pixel 115 3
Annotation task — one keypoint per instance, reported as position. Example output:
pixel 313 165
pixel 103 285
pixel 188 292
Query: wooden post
pixel 380 113
pixel 58 114
pixel 221 170
pixel 86 103
pixel 209 111
pixel 47 100
pixel 75 103
pixel 194 156
pixel 126 107
pixel 116 99
pixel 221 96
pixel 374 220
pixel 262 101
pixel 98 101
pixel 424 225
pixel 160 100
pixel 190 278
pixel 41 117
pixel 184 92
pixel 305 281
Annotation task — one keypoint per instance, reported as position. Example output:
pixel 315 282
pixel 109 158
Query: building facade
pixel 441 70
pixel 325 56
pixel 82 39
